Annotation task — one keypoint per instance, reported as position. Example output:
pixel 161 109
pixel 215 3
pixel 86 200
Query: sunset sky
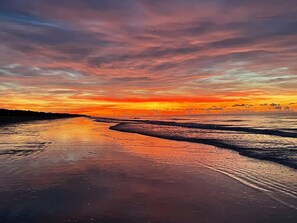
pixel 134 57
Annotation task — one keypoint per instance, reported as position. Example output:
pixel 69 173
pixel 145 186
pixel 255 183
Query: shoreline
pixel 204 126
pixel 212 142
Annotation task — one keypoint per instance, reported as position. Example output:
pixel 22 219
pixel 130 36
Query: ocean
pixel 268 137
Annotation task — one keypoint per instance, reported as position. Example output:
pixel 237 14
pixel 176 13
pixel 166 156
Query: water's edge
pixel 213 142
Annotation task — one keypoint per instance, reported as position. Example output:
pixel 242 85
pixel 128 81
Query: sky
pixel 143 57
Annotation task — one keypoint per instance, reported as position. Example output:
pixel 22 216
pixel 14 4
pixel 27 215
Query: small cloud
pixel 215 108
pixel 242 105
pixel 276 106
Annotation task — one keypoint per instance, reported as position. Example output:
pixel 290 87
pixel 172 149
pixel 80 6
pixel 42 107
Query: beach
pixel 79 170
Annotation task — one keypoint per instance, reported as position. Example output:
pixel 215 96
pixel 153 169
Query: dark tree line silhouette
pixel 12 116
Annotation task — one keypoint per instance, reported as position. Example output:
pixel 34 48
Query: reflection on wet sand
pixel 87 173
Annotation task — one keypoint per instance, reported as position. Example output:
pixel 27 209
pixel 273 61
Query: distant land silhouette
pixel 15 116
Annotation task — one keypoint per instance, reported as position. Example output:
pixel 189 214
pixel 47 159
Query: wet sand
pixel 83 172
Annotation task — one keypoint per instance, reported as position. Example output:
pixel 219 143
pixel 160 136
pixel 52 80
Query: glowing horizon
pixel 141 57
